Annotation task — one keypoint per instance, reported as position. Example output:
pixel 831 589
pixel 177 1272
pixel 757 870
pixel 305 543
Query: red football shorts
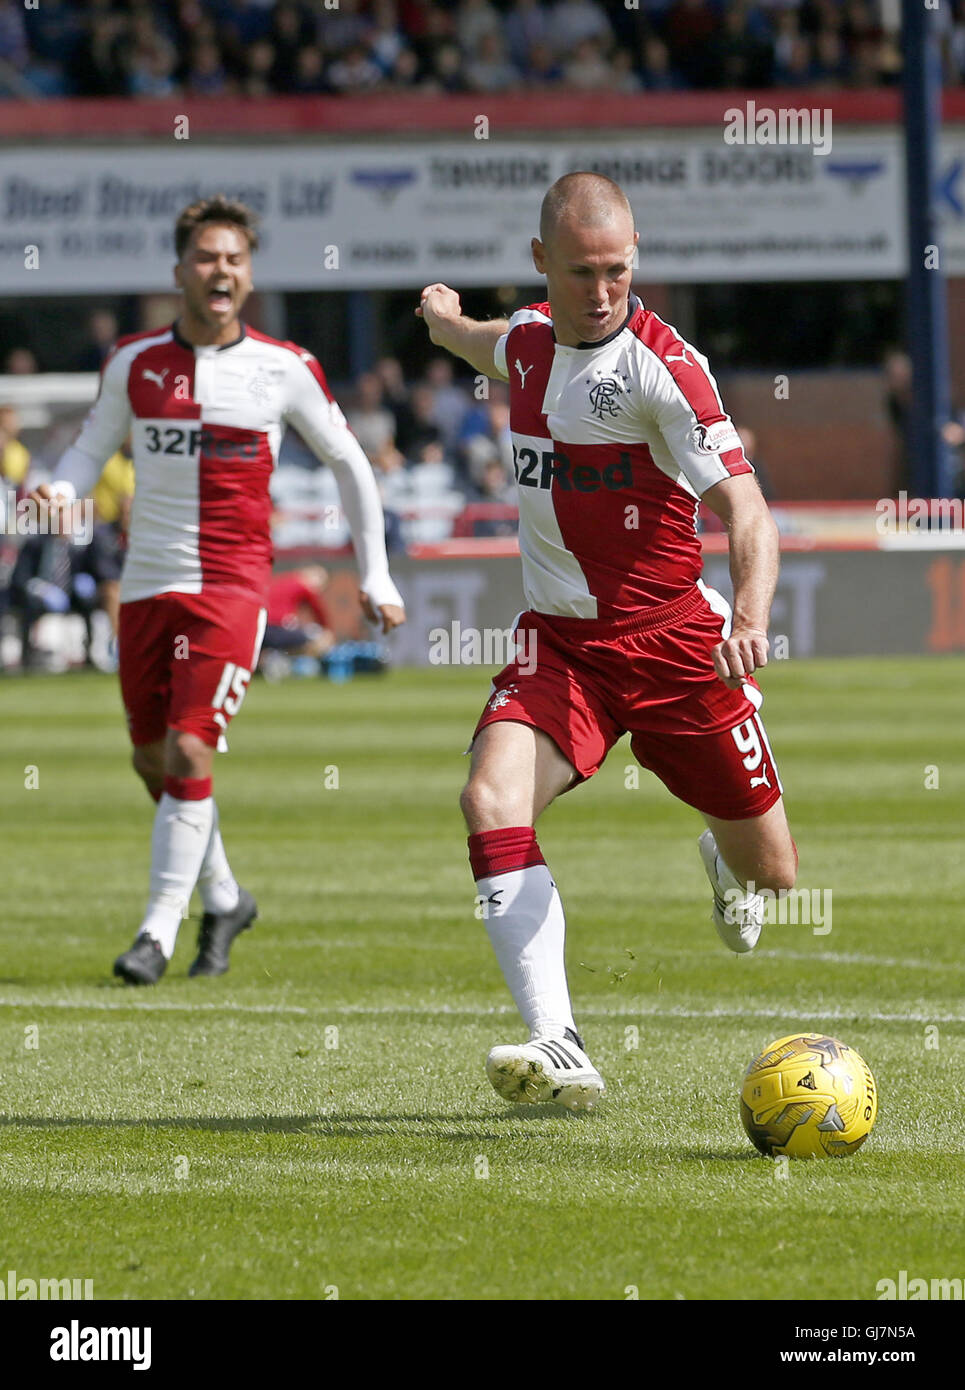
pixel 185 662
pixel 586 682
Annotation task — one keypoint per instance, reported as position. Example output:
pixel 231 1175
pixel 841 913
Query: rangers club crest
pixel 502 697
pixel 604 394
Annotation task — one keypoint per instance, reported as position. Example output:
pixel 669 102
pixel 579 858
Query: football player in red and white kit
pixel 618 433
pixel 205 402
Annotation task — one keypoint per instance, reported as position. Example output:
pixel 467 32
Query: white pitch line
pixel 642 1010
pixel 853 958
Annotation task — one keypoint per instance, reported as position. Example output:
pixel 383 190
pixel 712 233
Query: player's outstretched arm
pixel 754 561
pixel 320 422
pixel 107 425
pixel 471 339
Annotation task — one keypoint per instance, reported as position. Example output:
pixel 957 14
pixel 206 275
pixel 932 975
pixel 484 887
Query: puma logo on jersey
pixel 681 358
pixel 552 467
pixel 523 374
pixel 760 781
pixel 156 377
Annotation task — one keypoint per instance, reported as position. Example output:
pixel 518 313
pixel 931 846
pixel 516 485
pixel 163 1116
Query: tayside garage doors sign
pixel 365 216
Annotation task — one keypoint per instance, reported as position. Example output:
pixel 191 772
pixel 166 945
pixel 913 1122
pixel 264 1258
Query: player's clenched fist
pixel 386 616
pixel 440 307
pixel 49 495
pixel 743 652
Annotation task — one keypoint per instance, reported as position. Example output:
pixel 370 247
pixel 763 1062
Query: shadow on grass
pixel 427 1125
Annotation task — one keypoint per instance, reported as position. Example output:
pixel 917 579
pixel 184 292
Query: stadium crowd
pixel 217 48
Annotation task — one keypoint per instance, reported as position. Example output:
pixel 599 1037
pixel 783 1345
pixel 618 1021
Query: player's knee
pixel 148 763
pixel 485 805
pixel 187 755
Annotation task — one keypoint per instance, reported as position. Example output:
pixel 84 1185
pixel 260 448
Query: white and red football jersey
pixel 206 424
pixel 613 444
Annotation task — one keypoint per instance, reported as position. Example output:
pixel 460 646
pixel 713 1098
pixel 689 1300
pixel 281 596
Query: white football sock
pixel 216 882
pixel 524 919
pixel 179 839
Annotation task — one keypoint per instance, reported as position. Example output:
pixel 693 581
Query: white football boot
pixel 546 1068
pixel 737 914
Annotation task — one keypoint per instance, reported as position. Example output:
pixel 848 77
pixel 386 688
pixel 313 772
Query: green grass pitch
pixel 319 1119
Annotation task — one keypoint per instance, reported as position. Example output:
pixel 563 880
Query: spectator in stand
pixel 206 74
pixel 385 39
pixel 451 401
pixel 830 61
pixel 14 456
pixel 96 69
pixel 20 361
pixel 102 331
pixel 526 24
pixel 261 65
pixel 476 20
pixel 495 489
pixel 416 423
pixel 13 35
pixel 406 71
pixel 114 489
pixel 488 69
pixel 859 24
pixel 625 78
pixel 395 393
pixel 417 18
pixel 658 73
pixel 794 68
pixel 787 36
pixel 343 28
pixel 186 16
pixel 543 69
pixel 148 57
pixel 447 74
pixel 354 73
pixel 372 423
pixel 864 66
pixel 247 20
pixel 151 69
pixel 690 29
pixel 388 465
pixel 588 70
pixel 55 30
pixel 572 21
pixel 738 58
pixel 291 31
pixel 308 77
pixel 486 435
pixel 436 29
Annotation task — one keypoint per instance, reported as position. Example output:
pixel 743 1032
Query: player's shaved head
pixel 584 200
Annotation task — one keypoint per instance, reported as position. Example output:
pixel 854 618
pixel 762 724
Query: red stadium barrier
pixel 123 118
